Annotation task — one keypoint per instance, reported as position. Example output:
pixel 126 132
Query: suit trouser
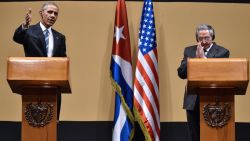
pixel 193 119
pixel 59 99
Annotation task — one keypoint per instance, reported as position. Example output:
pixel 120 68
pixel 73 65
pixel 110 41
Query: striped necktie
pixel 46 35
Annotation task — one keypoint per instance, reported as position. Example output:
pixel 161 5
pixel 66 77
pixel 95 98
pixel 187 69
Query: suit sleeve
pixel 63 50
pixel 19 35
pixel 182 70
pixel 224 53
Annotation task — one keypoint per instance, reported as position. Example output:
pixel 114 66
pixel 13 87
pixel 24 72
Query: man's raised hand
pixel 27 21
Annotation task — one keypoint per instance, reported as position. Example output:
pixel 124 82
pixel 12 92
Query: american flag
pixel 121 76
pixel 146 85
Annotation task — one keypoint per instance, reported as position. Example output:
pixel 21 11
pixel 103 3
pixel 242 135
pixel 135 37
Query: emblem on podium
pixel 217 115
pixel 38 114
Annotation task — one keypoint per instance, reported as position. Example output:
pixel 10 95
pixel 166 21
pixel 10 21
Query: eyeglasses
pixel 206 38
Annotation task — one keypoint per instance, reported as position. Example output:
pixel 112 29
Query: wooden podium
pixel 39 80
pixel 216 81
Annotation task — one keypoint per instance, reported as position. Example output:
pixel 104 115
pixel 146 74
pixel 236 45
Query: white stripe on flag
pixel 149 95
pixel 119 124
pixel 126 69
pixel 153 57
pixel 148 71
pixel 146 112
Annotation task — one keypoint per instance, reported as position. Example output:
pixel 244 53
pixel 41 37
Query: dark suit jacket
pixel 33 41
pixel 190 52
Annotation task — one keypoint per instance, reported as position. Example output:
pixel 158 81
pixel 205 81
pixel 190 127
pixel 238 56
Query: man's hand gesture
pixel 200 51
pixel 27 20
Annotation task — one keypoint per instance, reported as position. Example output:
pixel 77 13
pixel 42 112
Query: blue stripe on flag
pixel 125 133
pixel 117 107
pixel 119 79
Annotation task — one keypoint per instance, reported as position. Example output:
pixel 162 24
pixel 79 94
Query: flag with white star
pixel 146 84
pixel 121 76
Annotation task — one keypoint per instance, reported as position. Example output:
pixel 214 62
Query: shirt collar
pixel 44 28
pixel 209 47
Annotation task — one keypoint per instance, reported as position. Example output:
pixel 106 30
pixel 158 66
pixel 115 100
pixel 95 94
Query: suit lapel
pixel 42 38
pixel 56 42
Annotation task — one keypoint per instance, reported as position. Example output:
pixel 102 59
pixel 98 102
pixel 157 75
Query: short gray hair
pixel 205 27
pixel 45 5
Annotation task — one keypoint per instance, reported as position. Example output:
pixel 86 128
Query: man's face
pixel 49 15
pixel 205 38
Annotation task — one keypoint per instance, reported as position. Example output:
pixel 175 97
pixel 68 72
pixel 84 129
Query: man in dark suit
pixel 41 40
pixel 205 48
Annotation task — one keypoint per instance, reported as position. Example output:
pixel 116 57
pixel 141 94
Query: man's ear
pixel 40 12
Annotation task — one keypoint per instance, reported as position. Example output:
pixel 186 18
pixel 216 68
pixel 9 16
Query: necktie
pixel 46 35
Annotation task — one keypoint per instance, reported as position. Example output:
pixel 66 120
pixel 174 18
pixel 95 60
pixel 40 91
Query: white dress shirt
pixel 207 50
pixel 51 40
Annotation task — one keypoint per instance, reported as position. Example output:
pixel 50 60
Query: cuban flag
pixel 121 76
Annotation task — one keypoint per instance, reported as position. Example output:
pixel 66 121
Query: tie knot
pixel 46 32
